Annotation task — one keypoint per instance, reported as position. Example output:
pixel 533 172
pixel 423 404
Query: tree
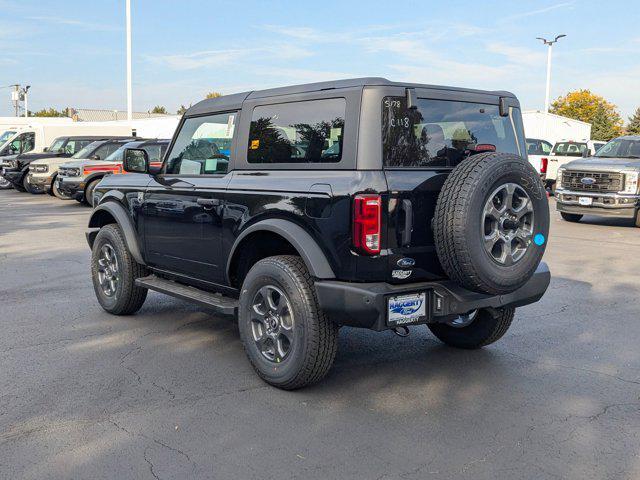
pixel 213 95
pixel 584 105
pixel 603 127
pixel 634 123
pixel 159 109
pixel 50 112
pixel 182 109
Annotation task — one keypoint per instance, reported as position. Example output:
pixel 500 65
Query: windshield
pixel 86 151
pixel 6 136
pixel 621 148
pixel 442 132
pixel 57 144
pixel 569 149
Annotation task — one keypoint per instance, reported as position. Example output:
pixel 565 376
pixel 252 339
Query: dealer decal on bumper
pixel 407 308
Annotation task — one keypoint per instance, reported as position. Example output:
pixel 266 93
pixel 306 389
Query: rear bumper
pixel 365 304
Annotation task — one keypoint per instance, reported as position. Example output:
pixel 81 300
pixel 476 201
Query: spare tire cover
pixel 491 223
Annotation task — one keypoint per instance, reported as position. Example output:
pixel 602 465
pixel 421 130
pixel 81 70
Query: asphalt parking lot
pixel 168 393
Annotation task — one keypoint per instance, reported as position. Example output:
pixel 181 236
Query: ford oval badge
pixel 406 262
pixel 587 181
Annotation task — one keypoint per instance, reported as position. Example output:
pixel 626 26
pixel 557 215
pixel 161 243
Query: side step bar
pixel 219 303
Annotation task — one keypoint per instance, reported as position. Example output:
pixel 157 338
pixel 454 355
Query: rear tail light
pixel 367 223
pixel 485 147
pixel 543 164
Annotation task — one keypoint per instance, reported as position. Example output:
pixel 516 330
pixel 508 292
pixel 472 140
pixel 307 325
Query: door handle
pixel 208 203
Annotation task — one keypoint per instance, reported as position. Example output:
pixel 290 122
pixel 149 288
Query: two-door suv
pixel 362 203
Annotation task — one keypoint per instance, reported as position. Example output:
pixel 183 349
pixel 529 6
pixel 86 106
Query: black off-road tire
pixel 458 222
pixel 128 297
pixel 488 327
pixel 88 192
pixel 571 217
pixel 637 223
pixel 5 184
pixel 314 349
pixel 27 186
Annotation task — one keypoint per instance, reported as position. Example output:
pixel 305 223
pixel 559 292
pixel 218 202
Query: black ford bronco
pixel 363 203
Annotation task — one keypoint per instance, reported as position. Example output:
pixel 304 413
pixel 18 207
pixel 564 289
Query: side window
pixel 105 150
pixel 300 132
pixel 546 147
pixel 154 153
pixel 203 146
pixel 28 141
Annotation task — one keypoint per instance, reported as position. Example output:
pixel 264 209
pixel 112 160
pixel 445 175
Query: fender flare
pixel 118 212
pixel 302 241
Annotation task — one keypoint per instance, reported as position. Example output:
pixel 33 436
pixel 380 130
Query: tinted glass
pixel 534 147
pixel 57 144
pixel 74 146
pixel 620 148
pixel 105 150
pixel 546 147
pixel 300 132
pixel 203 146
pixel 569 149
pixel 441 132
pixel 6 136
pixel 86 151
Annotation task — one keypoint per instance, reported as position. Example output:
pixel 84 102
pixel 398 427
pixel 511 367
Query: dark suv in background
pixel 16 168
pixel 362 203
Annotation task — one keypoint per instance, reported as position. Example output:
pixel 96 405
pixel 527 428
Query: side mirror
pixel 95 157
pixel 45 149
pixel 136 160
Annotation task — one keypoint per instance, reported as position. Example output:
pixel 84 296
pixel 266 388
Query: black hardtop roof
pixel 235 101
pixel 92 137
pixel 143 142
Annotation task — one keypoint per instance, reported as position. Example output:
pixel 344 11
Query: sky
pixel 72 52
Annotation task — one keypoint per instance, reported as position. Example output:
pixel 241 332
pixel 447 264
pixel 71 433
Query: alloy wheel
pixel 507 224
pixel 108 270
pixel 272 323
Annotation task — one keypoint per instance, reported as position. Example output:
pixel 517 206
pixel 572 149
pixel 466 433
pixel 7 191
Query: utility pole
pixel 129 88
pixel 549 43
pixel 15 97
pixel 25 97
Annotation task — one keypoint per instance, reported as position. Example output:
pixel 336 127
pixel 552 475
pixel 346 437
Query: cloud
pixel 539 11
pixel 217 58
pixel 82 24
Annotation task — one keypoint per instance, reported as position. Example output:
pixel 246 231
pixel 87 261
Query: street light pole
pixel 549 43
pixel 129 88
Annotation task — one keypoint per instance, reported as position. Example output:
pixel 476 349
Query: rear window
pixel 300 132
pixel 441 133
pixel 569 149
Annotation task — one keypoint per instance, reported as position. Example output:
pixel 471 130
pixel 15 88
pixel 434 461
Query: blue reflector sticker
pixel 539 239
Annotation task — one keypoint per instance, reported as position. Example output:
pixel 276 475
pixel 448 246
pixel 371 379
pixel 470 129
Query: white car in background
pixel 538 152
pixel 566 151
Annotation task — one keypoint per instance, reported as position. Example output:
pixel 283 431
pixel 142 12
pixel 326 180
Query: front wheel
pixel 56 192
pixel 474 330
pixel 4 183
pixel 571 217
pixel 114 271
pixel 28 187
pixel 289 340
pixel 88 192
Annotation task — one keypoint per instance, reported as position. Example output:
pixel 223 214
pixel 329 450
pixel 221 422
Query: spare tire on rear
pixel 491 223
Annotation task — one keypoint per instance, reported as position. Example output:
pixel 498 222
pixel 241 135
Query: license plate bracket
pixel 585 201
pixel 408 309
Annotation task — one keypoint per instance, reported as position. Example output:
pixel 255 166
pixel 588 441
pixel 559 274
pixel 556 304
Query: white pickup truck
pixel 538 152
pixel 566 151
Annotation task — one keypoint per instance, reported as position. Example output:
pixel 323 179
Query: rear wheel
pixel 571 217
pixel 476 329
pixel 289 341
pixel 114 271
